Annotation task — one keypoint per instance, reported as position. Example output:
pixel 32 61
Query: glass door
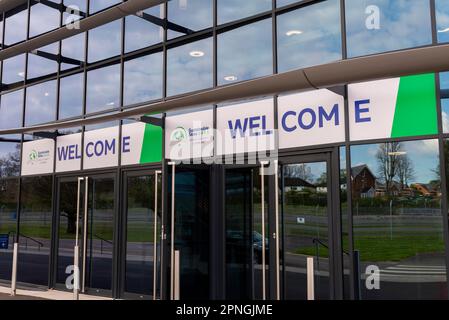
pixel 189 190
pixel 86 217
pixel 143 257
pixel 308 222
pixel 246 230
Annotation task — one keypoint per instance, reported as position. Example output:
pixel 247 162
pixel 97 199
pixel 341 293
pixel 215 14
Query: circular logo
pixel 178 135
pixel 33 155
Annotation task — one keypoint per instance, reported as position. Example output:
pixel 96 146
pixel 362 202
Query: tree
pixel 10 163
pixel 405 170
pixel 302 171
pixel 388 158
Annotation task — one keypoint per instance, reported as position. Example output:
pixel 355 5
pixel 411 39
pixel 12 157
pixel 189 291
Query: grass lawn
pixel 382 248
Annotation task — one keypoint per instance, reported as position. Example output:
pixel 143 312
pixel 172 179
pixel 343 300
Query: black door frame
pixel 332 157
pixel 257 165
pixel 67 177
pixel 127 173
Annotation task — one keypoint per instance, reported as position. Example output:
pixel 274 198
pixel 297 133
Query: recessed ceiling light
pixel 290 33
pixel 230 78
pixel 444 30
pixel 110 103
pixel 196 54
pixel 46 94
pixel 21 74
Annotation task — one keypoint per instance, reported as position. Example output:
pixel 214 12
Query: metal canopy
pixel 386 65
pixel 6 5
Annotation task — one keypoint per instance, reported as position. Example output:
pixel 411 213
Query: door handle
pixel 86 202
pixel 172 234
pixel 155 234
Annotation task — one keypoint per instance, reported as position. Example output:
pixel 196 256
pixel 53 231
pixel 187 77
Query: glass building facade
pixel 372 212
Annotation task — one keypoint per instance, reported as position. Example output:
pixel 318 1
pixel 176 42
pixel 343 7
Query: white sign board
pixel 38 157
pixel 311 118
pixel 246 127
pixel 68 153
pixel 189 136
pixel 132 142
pixel 101 148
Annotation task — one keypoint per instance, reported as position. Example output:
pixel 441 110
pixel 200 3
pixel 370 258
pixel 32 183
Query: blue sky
pixel 423 154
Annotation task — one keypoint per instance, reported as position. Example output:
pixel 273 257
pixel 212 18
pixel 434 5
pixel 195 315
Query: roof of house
pixel 355 171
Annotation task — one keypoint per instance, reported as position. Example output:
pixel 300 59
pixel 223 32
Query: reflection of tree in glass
pixel 302 171
pixel 69 194
pixel 393 162
pixel 10 163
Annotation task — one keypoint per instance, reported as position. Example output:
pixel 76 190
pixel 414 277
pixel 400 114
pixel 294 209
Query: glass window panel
pixel 229 10
pixel 189 67
pixel 16 27
pixel 442 15
pixel 40 103
pixel 105 41
pixel 103 89
pixel 8 223
pixel 35 230
pixel 189 16
pixel 143 79
pixel 9 159
pixel 309 36
pixel 73 50
pixel 281 3
pixel 11 110
pixel 98 5
pixel 71 96
pixel 445 114
pixel 74 11
pixel 401 24
pixel 43 62
pixel 140 229
pixel 14 69
pixel 44 18
pixel 245 53
pixel 444 80
pixel 141 33
pixel 397 218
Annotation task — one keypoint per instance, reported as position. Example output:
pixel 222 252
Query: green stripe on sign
pixel 152 144
pixel 416 107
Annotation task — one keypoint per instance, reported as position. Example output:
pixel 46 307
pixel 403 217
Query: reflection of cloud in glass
pixel 246 52
pixel 442 17
pixel 281 3
pixel 39 66
pixel 230 10
pixel 40 103
pixel 143 79
pixel 97 5
pixel 445 114
pixel 140 33
pixel 71 96
pixel 43 19
pixel 16 28
pixel 14 69
pixel 186 73
pixel 103 89
pixel 444 80
pixel 309 36
pixel 192 14
pixel 403 24
pixel 11 110
pixel 73 48
pixel 105 41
